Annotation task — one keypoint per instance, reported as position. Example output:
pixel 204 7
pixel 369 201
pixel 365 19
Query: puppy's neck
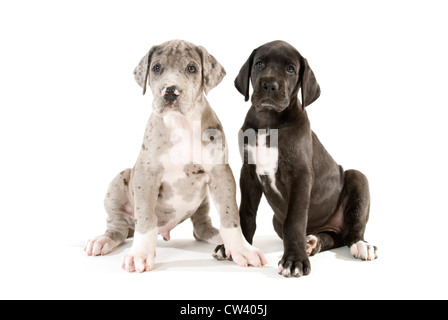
pixel 269 119
pixel 174 121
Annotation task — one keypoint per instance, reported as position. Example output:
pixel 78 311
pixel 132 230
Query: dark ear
pixel 141 71
pixel 243 78
pixel 212 71
pixel 308 83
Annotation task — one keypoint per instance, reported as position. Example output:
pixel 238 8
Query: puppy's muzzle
pixel 170 93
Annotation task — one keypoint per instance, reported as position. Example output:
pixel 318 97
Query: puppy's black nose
pixel 171 93
pixel 270 86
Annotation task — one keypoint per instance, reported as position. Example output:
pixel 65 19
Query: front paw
pixel 245 255
pixel 294 265
pixel 139 262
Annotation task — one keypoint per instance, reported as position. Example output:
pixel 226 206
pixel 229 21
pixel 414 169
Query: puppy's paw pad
pixel 312 245
pixel 364 251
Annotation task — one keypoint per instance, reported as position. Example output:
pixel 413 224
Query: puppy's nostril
pixel 269 87
pixel 171 93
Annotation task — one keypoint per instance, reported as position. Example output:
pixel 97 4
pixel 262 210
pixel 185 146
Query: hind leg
pixel 356 214
pixel 322 242
pixel 203 230
pixel 120 222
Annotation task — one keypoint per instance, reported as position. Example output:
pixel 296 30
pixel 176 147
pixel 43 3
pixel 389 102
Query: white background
pixel 72 117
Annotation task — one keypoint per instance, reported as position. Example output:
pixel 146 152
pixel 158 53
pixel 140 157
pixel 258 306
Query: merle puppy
pixel 318 206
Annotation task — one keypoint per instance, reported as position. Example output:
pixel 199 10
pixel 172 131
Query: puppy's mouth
pixel 270 105
pixel 267 105
pixel 164 108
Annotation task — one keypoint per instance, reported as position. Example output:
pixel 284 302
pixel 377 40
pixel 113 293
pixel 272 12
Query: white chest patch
pixel 266 160
pixel 184 199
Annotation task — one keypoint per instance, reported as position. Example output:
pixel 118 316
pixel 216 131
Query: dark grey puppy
pixel 317 205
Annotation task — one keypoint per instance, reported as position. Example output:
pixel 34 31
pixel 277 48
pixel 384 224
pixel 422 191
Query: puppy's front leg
pixel 295 261
pixel 146 186
pixel 251 194
pixel 223 192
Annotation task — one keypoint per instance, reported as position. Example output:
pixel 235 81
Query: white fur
pixel 100 245
pixel 174 121
pixel 142 253
pixel 233 238
pixel 363 250
pixel 145 242
pixel 266 161
pixel 241 251
pixel 266 158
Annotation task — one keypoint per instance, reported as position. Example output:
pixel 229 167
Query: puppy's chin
pixel 170 111
pixel 162 112
pixel 267 105
pixel 166 108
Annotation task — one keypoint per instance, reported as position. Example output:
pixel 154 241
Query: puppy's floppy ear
pixel 243 78
pixel 212 71
pixel 141 71
pixel 308 83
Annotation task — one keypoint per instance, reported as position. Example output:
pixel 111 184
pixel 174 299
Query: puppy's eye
pixel 291 69
pixel 157 68
pixel 259 64
pixel 192 69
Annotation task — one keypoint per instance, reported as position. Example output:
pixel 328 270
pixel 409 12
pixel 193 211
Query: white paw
pixel 364 251
pixel 139 262
pixel 239 250
pixel 143 252
pixel 100 245
pixel 247 255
